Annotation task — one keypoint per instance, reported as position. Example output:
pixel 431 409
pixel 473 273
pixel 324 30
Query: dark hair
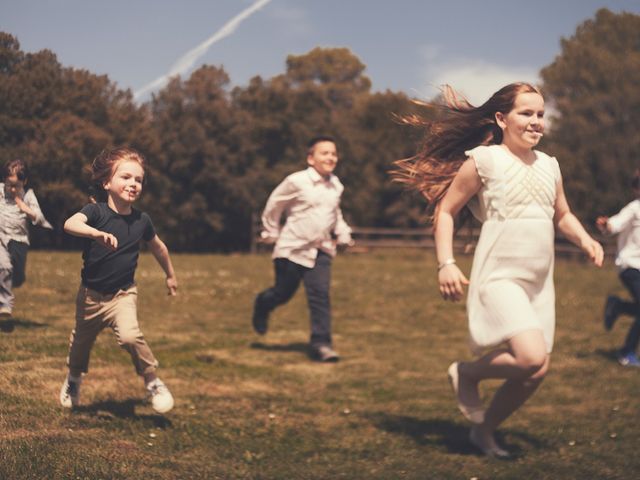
pixel 16 167
pixel 459 126
pixel 105 164
pixel 320 138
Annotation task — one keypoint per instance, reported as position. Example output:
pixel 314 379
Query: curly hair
pixel 458 126
pixel 104 166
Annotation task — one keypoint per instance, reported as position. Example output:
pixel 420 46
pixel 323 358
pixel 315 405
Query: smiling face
pixel 523 126
pixel 323 157
pixel 125 185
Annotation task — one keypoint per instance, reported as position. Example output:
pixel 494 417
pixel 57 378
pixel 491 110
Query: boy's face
pixel 13 187
pixel 323 157
pixel 125 184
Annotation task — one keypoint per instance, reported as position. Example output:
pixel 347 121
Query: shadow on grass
pixel 122 409
pixel 611 355
pixel 287 347
pixel 9 325
pixel 451 435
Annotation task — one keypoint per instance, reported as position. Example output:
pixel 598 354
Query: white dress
pixel 511 286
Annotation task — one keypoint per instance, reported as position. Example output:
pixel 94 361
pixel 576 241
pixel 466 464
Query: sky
pixel 407 45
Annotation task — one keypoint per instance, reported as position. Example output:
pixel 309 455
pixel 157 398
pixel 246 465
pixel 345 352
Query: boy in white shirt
pixel 626 224
pixel 18 208
pixel 306 244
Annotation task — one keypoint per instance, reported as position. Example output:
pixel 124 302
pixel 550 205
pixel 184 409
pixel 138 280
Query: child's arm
pixel 465 185
pixel 620 221
pixel 342 231
pixel 77 225
pixel 278 201
pixel 28 203
pixel 161 254
pixel 571 228
pixel 25 208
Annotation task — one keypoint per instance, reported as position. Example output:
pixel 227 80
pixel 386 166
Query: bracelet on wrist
pixel 448 261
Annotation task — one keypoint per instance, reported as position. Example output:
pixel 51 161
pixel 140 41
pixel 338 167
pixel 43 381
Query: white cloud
pixel 477 79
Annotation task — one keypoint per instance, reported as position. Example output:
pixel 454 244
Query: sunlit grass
pixel 253 407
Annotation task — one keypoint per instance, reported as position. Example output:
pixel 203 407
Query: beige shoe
pixel 5 312
pixel 473 413
pixel 492 450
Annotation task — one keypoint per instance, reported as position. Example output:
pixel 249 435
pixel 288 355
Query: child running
pixel 484 158
pixel 626 224
pixel 306 244
pixel 18 207
pixel 108 294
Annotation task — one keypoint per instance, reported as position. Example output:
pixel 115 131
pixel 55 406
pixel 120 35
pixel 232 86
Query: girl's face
pixel 523 126
pixel 323 157
pixel 13 187
pixel 125 184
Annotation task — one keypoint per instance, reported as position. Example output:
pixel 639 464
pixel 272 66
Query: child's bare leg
pixel 524 366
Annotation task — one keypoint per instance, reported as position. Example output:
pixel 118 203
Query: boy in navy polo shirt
pixel 108 294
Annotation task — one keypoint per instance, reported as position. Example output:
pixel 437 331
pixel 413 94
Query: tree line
pixel 215 152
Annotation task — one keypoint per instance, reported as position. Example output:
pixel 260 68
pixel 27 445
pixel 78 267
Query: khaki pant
pixel 94 312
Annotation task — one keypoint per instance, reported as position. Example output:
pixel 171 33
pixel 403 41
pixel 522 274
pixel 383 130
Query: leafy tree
pixel 593 89
pixel 58 119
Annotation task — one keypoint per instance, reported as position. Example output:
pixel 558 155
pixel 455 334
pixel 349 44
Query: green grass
pixel 258 408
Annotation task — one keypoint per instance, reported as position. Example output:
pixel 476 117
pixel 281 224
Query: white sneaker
pixel 161 398
pixel 70 392
pixel 5 312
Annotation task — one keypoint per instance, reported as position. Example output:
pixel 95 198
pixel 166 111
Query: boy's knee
pixel 129 338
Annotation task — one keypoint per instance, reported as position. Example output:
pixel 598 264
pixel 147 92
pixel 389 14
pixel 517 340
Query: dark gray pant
pixel 631 279
pixel 316 284
pixel 13 277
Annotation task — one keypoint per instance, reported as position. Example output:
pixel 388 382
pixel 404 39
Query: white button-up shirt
pixel 311 204
pixel 627 225
pixel 14 223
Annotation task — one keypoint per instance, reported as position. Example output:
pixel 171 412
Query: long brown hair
pixel 459 126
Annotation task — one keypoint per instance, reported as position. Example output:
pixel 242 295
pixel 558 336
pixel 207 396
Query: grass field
pixel 258 408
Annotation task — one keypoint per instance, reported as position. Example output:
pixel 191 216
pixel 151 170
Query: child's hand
pixel 452 281
pixel 107 240
pixel 172 286
pixel 602 224
pixel 594 251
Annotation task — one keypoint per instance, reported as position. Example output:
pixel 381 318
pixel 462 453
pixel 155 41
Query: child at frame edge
pixel 306 244
pixel 18 207
pixel 626 224
pixel 107 296
pixel 484 158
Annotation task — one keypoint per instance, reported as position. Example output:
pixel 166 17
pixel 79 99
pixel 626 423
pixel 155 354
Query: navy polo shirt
pixel 108 271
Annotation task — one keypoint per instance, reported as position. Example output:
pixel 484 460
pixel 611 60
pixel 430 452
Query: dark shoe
pixel 324 353
pixel 611 312
pixel 628 360
pixel 260 318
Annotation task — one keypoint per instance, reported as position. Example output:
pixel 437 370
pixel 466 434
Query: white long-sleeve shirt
pixel 14 223
pixel 311 204
pixel 627 225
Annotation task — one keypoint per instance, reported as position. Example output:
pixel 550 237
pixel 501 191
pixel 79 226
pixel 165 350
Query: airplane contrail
pixel 187 61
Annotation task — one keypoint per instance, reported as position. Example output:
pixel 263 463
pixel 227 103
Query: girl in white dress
pixel 484 158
